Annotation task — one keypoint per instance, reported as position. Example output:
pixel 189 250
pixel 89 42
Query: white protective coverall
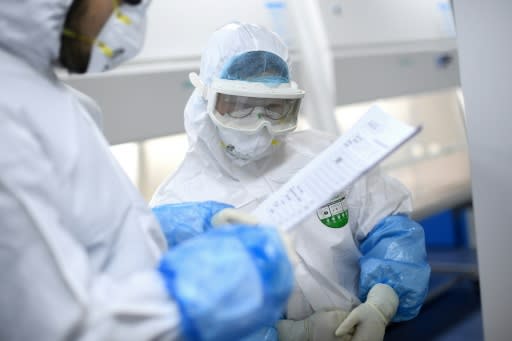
pixel 78 246
pixel 327 276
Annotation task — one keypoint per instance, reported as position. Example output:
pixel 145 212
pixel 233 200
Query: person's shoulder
pixel 27 95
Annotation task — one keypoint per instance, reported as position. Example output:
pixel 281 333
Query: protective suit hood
pixel 227 42
pixel 31 29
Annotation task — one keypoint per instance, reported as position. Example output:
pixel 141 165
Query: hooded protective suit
pixel 329 242
pixel 61 232
pixel 79 247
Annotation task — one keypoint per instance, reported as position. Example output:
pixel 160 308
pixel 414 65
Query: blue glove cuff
pixel 394 254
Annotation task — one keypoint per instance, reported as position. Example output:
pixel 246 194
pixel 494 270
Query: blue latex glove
pixel 180 222
pixel 229 282
pixel 394 254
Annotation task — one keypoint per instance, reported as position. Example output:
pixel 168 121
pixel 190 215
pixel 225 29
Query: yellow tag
pixel 120 15
pixel 107 51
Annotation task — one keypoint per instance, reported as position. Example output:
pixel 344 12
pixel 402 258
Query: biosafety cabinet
pixel 346 54
pixel 380 49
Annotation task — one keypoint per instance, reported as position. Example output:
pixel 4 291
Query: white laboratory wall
pixel 358 23
pixel 139 104
pixel 391 48
pixel 180 29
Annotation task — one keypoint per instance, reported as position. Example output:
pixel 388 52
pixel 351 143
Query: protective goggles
pixel 249 106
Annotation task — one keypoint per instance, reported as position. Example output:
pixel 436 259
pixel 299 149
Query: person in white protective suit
pixel 82 255
pixel 361 260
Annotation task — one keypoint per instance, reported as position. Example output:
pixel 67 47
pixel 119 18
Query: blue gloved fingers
pixel 183 221
pixel 264 334
pixel 394 253
pixel 228 282
pixel 269 254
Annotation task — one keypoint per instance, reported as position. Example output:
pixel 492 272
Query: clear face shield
pixel 249 106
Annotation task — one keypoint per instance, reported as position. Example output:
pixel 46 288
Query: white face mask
pixel 243 147
pixel 120 39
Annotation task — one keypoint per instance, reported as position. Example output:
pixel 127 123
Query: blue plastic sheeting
pixel 394 254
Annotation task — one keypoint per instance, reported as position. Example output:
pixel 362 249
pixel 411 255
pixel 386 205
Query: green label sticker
pixel 335 213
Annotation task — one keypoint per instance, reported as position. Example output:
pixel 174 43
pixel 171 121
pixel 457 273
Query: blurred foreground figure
pixel 82 256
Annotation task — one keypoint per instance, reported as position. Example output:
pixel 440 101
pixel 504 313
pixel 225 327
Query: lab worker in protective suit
pixel 361 259
pixel 82 256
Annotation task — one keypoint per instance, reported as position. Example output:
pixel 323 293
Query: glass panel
pixel 434 165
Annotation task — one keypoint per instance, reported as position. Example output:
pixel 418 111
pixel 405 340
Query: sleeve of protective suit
pixel 180 222
pixel 92 107
pixel 49 290
pixel 393 253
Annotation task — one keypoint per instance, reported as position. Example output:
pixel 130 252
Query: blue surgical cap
pixel 256 66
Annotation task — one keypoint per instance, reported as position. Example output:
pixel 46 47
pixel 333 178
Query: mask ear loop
pixel 107 51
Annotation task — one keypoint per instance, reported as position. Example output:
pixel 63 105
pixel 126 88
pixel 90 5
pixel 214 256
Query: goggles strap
pixel 198 84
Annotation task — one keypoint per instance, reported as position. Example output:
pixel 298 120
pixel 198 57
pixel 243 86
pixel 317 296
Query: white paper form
pixel 375 136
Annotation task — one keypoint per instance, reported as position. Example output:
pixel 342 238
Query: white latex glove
pixel 318 327
pixel 233 216
pixel 368 321
pixel 236 216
